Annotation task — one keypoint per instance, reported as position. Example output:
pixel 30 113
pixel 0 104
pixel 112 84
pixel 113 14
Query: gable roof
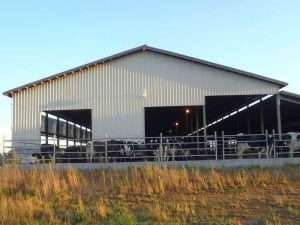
pixel 151 49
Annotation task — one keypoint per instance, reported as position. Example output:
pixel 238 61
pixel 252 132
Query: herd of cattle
pixel 176 149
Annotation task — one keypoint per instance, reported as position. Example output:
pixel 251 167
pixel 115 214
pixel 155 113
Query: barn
pixel 148 92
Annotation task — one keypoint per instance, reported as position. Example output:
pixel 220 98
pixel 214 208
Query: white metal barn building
pixel 146 91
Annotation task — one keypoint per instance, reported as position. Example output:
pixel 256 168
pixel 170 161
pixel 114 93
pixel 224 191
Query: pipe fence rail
pixel 161 149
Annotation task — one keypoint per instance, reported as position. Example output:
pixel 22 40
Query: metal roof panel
pixel 151 49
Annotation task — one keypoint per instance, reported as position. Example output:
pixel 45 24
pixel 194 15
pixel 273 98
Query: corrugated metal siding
pixel 114 92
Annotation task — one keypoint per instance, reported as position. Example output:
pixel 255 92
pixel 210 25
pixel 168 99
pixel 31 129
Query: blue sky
pixel 39 38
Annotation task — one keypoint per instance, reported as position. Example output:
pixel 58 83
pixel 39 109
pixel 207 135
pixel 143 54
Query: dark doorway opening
pixel 290 112
pixel 65 128
pixel 232 114
pixel 173 120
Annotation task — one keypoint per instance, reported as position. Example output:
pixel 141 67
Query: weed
pixel 149 195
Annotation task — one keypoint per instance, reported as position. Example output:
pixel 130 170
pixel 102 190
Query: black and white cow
pixel 291 143
pixel 117 150
pixel 257 145
pixel 167 148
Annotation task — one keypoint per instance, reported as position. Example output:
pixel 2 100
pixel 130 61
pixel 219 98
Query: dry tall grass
pixel 150 195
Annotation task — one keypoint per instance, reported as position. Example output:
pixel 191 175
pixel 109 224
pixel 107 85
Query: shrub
pixel 122 216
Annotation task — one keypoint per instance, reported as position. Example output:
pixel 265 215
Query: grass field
pixel 150 195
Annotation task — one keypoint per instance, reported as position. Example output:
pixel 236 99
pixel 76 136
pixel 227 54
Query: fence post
pixel 198 140
pixel 106 139
pixel 274 143
pixel 216 143
pixel 267 143
pixel 223 145
pixel 160 148
pixel 54 152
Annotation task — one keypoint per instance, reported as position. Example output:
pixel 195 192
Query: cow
pixel 75 154
pixel 114 150
pixel 167 149
pixel 292 141
pixel 253 144
pixel 152 147
pixel 30 159
pixel 182 148
pixel 96 151
pixel 137 151
pixel 158 149
pixel 126 151
pixel 90 151
pixel 46 153
pixel 132 151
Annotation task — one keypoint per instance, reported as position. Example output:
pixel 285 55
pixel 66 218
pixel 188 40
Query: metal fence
pixel 163 148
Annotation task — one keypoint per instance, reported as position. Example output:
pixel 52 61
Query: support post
pixel 74 133
pixel 106 148
pixel 54 153
pixel 237 123
pixel 191 118
pixel 85 136
pixel 216 143
pixel 223 145
pixel 47 128
pixel 204 127
pixel 278 112
pixel 204 121
pixel 262 119
pixel 187 126
pixel 267 143
pixel 67 133
pixel 57 132
pixel 248 121
pixel 197 127
pixel 80 136
pixel 274 143
pixel 160 149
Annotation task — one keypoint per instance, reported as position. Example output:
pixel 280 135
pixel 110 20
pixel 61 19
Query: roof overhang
pixel 281 84
pixel 289 97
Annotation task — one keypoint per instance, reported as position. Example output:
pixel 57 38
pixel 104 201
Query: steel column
pixel 67 133
pixel 248 121
pixel 47 128
pixel 216 143
pixel 57 132
pixel 223 145
pixel 262 119
pixel 74 133
pixel 278 112
pixel 204 120
pixel 197 127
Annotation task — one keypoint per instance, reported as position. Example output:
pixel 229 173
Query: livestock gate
pixel 161 149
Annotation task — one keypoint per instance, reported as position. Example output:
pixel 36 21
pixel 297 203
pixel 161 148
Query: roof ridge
pixel 146 47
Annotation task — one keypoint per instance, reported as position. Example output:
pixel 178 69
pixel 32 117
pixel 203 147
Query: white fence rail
pixel 161 149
